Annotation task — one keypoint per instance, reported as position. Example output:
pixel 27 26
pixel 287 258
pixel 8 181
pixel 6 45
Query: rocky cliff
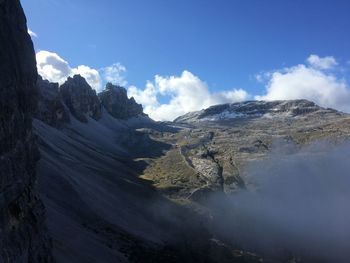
pixel 117 103
pixel 80 98
pixel 23 236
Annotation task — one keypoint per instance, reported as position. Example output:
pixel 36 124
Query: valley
pixel 87 176
pixel 98 205
pixel 135 190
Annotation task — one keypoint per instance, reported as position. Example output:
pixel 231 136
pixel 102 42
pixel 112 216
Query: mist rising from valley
pixel 296 205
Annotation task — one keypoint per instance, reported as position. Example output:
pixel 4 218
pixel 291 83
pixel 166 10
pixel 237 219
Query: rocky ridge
pixel 76 98
pixel 256 109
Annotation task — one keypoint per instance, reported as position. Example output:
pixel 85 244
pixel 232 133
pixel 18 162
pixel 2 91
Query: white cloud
pixel 147 97
pixel 115 74
pixel 52 67
pixel 263 76
pixel 322 63
pixel 229 96
pixel 32 33
pixel 313 82
pixel 55 69
pixel 187 93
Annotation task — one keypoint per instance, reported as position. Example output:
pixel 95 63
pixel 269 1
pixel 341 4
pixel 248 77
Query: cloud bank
pixel 187 93
pixel 297 207
pixel 317 80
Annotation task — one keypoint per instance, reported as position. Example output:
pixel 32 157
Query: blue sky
pixel 225 43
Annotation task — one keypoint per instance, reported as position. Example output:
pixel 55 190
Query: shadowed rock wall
pixel 23 236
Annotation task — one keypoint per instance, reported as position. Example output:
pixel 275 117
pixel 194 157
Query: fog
pixel 297 205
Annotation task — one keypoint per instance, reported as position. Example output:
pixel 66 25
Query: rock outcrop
pixel 23 236
pixel 51 108
pixel 116 101
pixel 81 99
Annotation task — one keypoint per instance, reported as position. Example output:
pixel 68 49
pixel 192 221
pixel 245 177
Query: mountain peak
pixel 79 81
pixel 80 98
pixel 110 86
pixel 115 99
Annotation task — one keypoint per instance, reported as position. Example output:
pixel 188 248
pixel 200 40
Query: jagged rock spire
pixel 115 99
pixel 80 98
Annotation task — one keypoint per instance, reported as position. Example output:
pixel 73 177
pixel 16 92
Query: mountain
pixel 256 109
pixel 215 145
pixel 23 233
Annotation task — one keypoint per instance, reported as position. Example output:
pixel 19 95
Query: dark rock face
pixel 116 101
pixel 51 109
pixel 81 99
pixel 76 97
pixel 23 236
